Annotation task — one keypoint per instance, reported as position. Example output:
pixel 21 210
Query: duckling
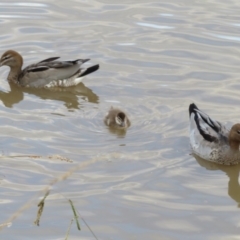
pixel 116 118
pixel 213 141
pixel 46 73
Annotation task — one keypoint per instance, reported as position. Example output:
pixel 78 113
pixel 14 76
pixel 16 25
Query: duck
pixel 116 118
pixel 212 140
pixel 46 73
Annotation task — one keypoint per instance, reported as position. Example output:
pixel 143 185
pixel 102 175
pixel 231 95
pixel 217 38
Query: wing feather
pixel 38 69
pixel 49 70
pixel 209 129
pixel 49 59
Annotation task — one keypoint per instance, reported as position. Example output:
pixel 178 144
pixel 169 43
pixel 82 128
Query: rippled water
pixel 155 59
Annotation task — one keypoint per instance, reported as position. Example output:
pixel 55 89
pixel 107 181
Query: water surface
pixel 155 59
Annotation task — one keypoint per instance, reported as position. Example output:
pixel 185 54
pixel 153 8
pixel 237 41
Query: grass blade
pixel 40 210
pixel 75 214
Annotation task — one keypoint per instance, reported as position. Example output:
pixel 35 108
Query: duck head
pixel 12 59
pixel 234 137
pixel 121 120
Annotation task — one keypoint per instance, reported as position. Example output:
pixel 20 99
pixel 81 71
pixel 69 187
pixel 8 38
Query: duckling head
pixel 12 59
pixel 234 137
pixel 121 119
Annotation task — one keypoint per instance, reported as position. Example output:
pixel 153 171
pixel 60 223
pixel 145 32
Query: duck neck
pixel 14 74
pixel 234 145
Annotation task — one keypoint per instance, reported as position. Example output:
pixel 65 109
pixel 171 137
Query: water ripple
pixel 155 58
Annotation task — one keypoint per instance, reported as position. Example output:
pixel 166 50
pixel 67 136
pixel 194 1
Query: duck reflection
pixel 119 132
pixel 231 171
pixel 69 96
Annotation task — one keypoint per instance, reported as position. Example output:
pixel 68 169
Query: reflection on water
pixel 119 132
pixel 68 95
pixel 231 171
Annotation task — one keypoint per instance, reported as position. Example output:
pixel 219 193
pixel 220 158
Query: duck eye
pixel 238 131
pixel 6 57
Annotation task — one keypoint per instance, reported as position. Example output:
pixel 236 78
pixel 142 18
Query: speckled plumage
pixel 116 118
pixel 211 140
pixel 46 73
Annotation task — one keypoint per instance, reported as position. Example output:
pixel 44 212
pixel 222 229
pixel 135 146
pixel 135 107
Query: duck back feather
pixel 205 133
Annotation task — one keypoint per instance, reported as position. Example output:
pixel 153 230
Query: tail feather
pixel 89 70
pixel 79 61
pixel 83 60
pixel 192 108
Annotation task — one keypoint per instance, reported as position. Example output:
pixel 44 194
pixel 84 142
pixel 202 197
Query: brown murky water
pixel 156 58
